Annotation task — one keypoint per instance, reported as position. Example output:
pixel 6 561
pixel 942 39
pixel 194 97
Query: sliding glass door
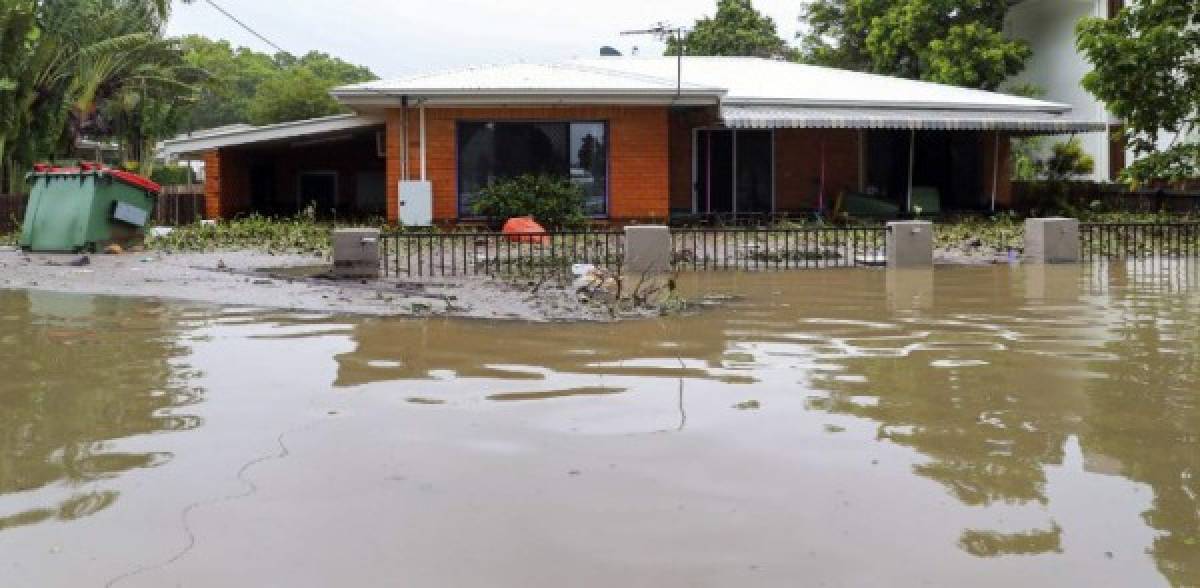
pixel 734 172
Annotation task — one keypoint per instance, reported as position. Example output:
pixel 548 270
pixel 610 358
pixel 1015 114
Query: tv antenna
pixel 665 31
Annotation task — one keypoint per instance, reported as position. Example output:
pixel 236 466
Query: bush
pixel 173 175
pixel 553 202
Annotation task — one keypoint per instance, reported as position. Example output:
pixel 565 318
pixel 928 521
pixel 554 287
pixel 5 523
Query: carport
pixel 335 165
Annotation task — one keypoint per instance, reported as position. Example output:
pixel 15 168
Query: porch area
pixel 742 164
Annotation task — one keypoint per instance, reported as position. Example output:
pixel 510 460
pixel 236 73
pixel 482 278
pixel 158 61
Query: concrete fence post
pixel 910 244
pixel 356 253
pixel 647 249
pixel 1052 240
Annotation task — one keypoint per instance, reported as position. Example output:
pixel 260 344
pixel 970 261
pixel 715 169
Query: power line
pixel 245 26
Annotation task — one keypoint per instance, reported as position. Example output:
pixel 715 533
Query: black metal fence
pixel 778 248
pixel 436 254
pixel 1139 240
pixel 428 254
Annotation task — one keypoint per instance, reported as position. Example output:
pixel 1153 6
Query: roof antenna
pixel 665 31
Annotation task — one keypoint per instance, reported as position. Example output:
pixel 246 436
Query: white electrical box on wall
pixel 416 203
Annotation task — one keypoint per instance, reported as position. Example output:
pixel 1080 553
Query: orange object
pixel 523 229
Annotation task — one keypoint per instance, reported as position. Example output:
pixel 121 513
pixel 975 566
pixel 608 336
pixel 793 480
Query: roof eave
pixel 184 146
pixel 1051 107
pixel 484 97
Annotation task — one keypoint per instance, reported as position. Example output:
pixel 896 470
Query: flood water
pixel 987 426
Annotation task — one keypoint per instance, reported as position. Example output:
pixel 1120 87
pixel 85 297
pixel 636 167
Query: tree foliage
pixel 86 68
pixel 958 42
pixel 251 87
pixel 103 70
pixel 738 29
pixel 1147 70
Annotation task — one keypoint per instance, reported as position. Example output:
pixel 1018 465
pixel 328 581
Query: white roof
pixel 240 134
pixel 725 80
pixel 750 93
pixel 575 79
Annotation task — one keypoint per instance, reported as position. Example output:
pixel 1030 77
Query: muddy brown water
pixel 988 426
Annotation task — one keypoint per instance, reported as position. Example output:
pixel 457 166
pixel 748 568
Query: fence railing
pixel 179 205
pixel 495 254
pixel 12 211
pixel 436 254
pixel 778 248
pixel 1139 240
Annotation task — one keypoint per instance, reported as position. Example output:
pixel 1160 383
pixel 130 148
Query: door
pixel 370 193
pixel 735 172
pixel 318 190
pixel 714 177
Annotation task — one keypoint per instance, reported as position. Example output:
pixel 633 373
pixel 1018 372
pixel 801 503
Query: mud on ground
pixel 258 279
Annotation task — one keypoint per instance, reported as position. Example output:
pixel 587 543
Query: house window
pixel 491 151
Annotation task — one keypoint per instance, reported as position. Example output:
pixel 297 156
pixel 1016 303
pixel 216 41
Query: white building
pixel 1058 68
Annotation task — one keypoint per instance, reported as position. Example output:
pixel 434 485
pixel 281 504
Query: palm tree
pixel 73 68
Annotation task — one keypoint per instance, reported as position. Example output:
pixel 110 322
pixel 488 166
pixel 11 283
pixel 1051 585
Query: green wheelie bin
pixel 86 208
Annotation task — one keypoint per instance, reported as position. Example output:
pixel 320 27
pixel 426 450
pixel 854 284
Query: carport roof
pixel 196 143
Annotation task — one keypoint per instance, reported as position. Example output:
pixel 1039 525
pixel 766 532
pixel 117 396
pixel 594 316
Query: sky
pixel 402 37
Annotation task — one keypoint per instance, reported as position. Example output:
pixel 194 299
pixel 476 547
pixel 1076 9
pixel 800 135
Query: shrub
pixel 553 202
pixel 173 175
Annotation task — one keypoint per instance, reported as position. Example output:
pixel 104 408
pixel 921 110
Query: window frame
pixel 458 167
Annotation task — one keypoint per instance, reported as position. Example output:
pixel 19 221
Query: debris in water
pixel 748 405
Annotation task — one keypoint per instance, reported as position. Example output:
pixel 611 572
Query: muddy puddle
pixel 981 426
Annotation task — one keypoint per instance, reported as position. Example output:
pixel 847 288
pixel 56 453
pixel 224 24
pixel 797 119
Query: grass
pixel 1006 231
pixel 1000 232
pixel 299 234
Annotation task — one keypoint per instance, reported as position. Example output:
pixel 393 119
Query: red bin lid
pixel 125 177
pixel 134 180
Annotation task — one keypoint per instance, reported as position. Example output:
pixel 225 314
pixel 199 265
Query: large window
pixel 490 151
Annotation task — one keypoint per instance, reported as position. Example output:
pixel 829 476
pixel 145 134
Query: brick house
pixel 730 136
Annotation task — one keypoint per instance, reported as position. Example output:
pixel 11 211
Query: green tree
pixel 958 42
pixel 248 86
pixel 69 65
pixel 738 29
pixel 234 77
pixel 1145 70
pixel 331 69
pixel 295 94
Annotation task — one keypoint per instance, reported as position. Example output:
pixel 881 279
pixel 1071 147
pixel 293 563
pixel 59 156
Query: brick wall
pixel 226 184
pixel 638 182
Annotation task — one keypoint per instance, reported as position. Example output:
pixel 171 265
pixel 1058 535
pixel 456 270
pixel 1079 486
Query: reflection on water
pixel 1002 424
pixel 79 375
pixel 990 373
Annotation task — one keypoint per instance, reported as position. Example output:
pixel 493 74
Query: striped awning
pixel 803 117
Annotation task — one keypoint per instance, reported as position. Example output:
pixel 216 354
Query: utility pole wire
pixel 245 26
